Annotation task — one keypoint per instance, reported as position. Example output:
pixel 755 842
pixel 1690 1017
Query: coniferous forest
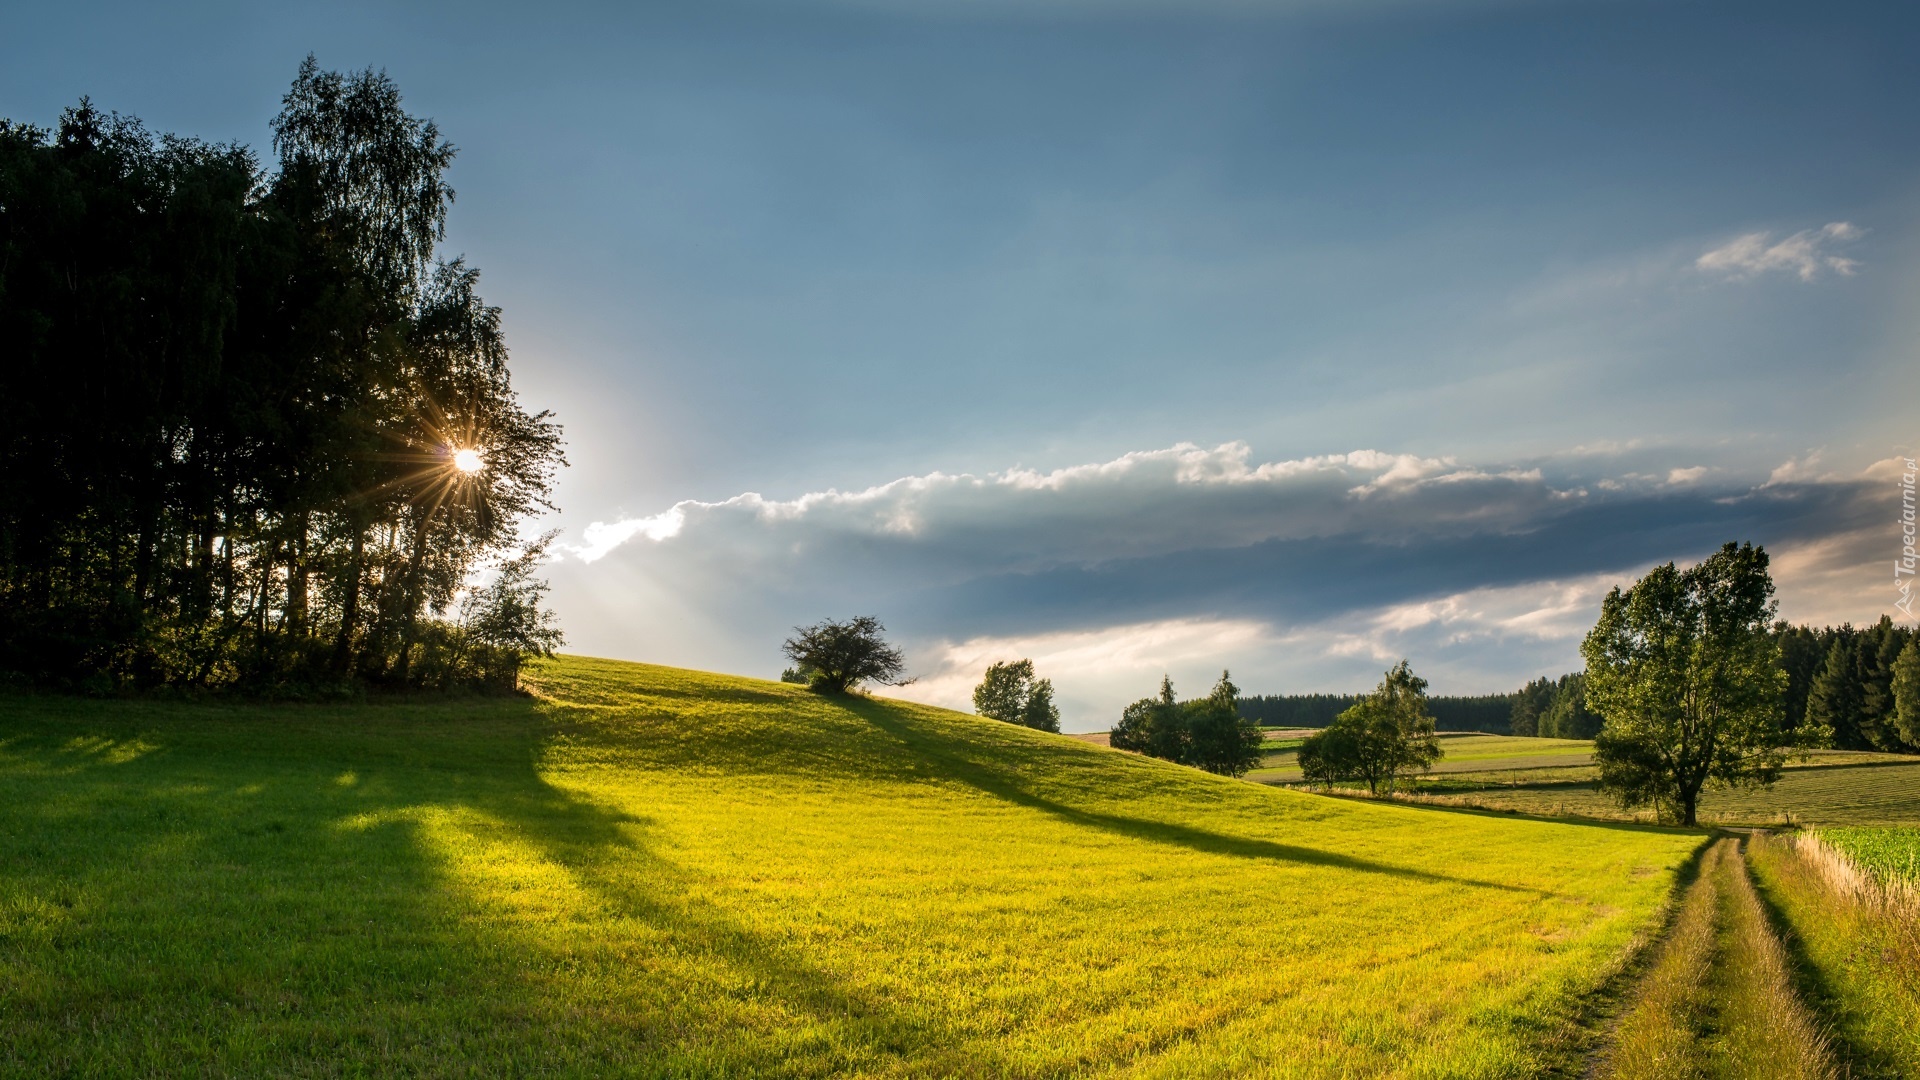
pixel 260 433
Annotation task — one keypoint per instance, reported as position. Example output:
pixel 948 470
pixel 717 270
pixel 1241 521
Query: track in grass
pixel 663 872
pixel 1719 1001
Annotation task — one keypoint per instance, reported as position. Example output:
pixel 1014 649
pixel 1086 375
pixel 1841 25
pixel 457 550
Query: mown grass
pixel 1719 1001
pixel 659 872
pixel 1858 945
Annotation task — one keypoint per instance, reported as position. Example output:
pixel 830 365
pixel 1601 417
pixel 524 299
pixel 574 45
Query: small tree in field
pixel 503 624
pixel 1219 739
pixel 839 656
pixel 1687 678
pixel 1382 737
pixel 1011 693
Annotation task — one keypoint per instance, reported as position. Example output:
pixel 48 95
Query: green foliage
pixel 1208 734
pixel 646 871
pixel 1687 675
pixel 1219 739
pixel 247 390
pixel 1153 726
pixel 1533 700
pixel 1009 692
pixel 503 624
pixel 1387 735
pixel 1905 687
pixel 839 656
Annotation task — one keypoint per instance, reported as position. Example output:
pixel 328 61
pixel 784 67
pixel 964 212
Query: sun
pixel 469 461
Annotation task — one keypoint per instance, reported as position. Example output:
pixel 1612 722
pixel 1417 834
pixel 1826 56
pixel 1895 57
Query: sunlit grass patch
pixel 667 872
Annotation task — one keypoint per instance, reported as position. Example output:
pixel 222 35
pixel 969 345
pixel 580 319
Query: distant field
pixel 1556 777
pixel 668 873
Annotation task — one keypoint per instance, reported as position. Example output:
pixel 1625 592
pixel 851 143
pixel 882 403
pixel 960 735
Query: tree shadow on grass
pixel 241 907
pixel 963 762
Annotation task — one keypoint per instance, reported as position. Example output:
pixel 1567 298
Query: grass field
pixel 1556 777
pixel 659 872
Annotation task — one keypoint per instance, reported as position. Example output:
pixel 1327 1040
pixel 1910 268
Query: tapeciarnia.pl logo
pixel 1903 566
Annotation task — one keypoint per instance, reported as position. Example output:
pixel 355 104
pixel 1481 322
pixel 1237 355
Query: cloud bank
pixel 1310 573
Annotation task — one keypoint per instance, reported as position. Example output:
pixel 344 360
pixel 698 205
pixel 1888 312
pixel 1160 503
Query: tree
pixel 1528 704
pixel 1156 727
pixel 1906 692
pixel 1009 692
pixel 253 397
pixel 1219 739
pixel 1041 714
pixel 1835 694
pixel 842 655
pixel 1686 675
pixel 504 622
pixel 1566 715
pixel 1385 735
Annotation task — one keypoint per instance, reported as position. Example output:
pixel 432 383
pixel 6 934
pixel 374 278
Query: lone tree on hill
pixel 1688 680
pixel 1011 693
pixel 839 656
pixel 1382 737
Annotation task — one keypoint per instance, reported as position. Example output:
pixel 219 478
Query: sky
pixel 1286 336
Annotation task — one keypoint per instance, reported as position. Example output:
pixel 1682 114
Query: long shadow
pixel 219 809
pixel 1820 993
pixel 606 852
pixel 981 776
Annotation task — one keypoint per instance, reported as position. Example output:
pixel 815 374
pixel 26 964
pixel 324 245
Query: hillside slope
pixel 660 872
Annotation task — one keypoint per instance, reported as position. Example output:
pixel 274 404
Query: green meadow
pixel 655 872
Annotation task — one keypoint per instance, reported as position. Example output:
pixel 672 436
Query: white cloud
pixel 601 537
pixel 1807 253
pixel 1679 477
pixel 1096 672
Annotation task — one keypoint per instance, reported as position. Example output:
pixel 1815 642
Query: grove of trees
pixel 1010 692
pixel 260 434
pixel 1209 734
pixel 1382 737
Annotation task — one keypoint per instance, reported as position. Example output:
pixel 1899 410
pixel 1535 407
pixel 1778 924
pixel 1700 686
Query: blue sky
pixel 1463 311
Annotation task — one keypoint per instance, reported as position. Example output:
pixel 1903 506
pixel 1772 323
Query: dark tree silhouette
pixel 839 656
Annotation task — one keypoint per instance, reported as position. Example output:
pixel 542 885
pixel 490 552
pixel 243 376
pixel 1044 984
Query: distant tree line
pixel 258 434
pixel 1486 712
pixel 1553 709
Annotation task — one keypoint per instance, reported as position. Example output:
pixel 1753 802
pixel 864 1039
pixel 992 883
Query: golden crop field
pixel 650 871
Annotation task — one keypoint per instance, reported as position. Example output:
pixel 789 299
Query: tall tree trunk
pixel 350 608
pixel 408 625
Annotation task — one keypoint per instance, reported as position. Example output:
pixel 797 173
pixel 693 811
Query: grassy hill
pixel 661 872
